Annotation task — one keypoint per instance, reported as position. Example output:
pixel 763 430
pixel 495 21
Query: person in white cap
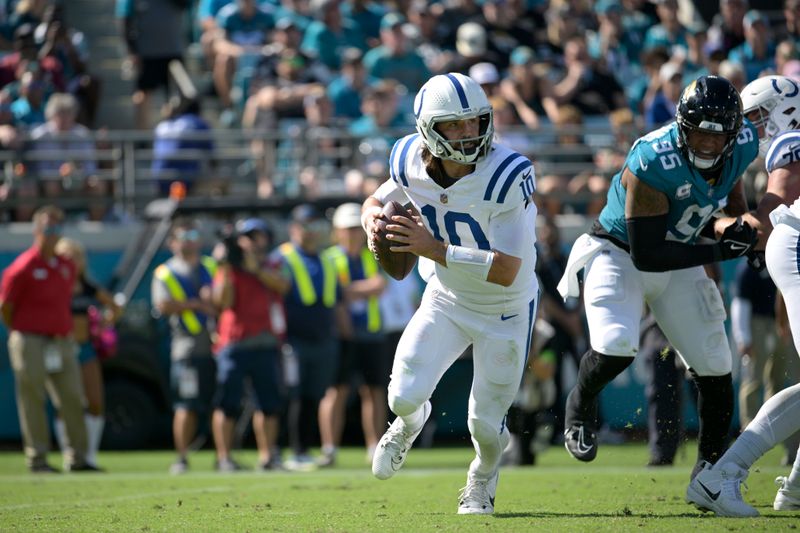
pixel 362 353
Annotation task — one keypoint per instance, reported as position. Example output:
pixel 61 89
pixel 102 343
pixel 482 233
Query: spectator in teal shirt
pixel 28 109
pixel 393 59
pixel 297 11
pixel 245 26
pixel 330 34
pixel 669 33
pixel 381 120
pixel 757 52
pixel 345 90
pixel 366 16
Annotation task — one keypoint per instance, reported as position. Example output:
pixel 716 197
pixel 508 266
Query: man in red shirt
pixel 251 328
pixel 35 298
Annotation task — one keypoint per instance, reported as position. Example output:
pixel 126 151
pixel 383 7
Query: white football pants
pixel 436 336
pixel 783 262
pixel 686 304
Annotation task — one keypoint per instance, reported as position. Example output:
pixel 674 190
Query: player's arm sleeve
pixel 646 218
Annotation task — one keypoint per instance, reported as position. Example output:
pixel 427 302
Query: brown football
pixel 396 264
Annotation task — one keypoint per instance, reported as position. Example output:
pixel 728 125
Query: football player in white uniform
pixel 772 103
pixel 649 245
pixel 474 231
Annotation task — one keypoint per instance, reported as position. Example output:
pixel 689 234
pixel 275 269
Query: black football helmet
pixel 710 104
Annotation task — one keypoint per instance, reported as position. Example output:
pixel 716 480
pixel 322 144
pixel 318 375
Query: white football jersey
pixel 784 150
pixel 491 208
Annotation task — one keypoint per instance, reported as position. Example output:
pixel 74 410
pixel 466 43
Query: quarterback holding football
pixel 473 229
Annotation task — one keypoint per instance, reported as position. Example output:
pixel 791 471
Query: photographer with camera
pixel 252 324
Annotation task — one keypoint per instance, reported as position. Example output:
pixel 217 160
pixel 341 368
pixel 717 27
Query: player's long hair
pixel 433 166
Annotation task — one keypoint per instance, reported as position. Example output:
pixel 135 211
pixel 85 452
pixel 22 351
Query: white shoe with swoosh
pixel 718 489
pixel 788 497
pixel 478 496
pixel 394 446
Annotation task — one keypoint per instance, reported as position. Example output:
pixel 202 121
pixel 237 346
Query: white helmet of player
pixel 449 97
pixel 777 100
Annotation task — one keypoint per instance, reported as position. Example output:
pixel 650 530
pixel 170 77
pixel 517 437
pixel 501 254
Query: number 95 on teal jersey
pixel 656 160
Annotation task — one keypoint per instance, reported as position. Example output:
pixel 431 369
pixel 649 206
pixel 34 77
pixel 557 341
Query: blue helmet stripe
pixel 496 176
pixel 510 179
pixel 462 96
pixel 403 154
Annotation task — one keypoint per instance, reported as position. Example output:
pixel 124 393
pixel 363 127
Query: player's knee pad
pixel 616 340
pixel 484 433
pixel 402 406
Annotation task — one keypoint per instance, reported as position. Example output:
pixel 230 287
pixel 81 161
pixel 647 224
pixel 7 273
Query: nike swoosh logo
pixel 641 163
pixel 736 246
pixel 582 447
pixel 712 495
pixel 509 317
pixel 397 462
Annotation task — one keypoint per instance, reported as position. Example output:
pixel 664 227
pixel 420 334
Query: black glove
pixel 737 240
pixel 756 260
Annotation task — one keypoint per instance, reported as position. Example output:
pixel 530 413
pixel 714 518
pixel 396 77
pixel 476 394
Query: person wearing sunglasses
pixel 35 299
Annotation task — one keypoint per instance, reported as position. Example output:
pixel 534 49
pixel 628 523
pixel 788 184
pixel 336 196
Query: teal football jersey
pixel 656 160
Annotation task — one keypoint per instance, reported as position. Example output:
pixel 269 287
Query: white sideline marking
pixel 93 502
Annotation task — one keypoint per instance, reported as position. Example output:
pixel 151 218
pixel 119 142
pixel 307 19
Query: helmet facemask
pixel 460 150
pixel 448 98
pixel 695 160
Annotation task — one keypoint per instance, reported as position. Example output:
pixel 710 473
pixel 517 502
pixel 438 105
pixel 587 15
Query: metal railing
pixel 130 168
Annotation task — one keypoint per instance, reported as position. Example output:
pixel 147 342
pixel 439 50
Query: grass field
pixel 614 493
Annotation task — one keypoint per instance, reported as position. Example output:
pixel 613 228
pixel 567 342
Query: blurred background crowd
pixel 104 108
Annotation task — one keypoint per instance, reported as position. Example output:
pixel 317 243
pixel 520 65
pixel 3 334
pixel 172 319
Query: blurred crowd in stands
pixel 325 87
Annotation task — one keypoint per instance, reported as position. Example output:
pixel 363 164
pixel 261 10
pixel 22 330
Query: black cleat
pixel 580 442
pixel 84 467
pixel 43 468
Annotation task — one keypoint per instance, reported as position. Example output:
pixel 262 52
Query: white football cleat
pixel 718 489
pixel 394 446
pixel 478 496
pixel 787 498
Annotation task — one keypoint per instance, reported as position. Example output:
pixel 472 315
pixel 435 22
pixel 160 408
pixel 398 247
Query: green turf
pixel 615 493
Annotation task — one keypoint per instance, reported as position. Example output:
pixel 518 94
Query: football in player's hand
pixel 396 264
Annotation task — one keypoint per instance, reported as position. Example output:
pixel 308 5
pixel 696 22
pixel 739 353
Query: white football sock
pixel 489 445
pixel 776 421
pixel 94 431
pixel 415 420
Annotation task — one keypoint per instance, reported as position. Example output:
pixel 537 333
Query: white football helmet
pixel 777 99
pixel 448 97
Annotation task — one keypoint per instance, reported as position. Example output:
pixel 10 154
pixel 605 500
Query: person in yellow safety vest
pixel 181 291
pixel 315 317
pixel 364 353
